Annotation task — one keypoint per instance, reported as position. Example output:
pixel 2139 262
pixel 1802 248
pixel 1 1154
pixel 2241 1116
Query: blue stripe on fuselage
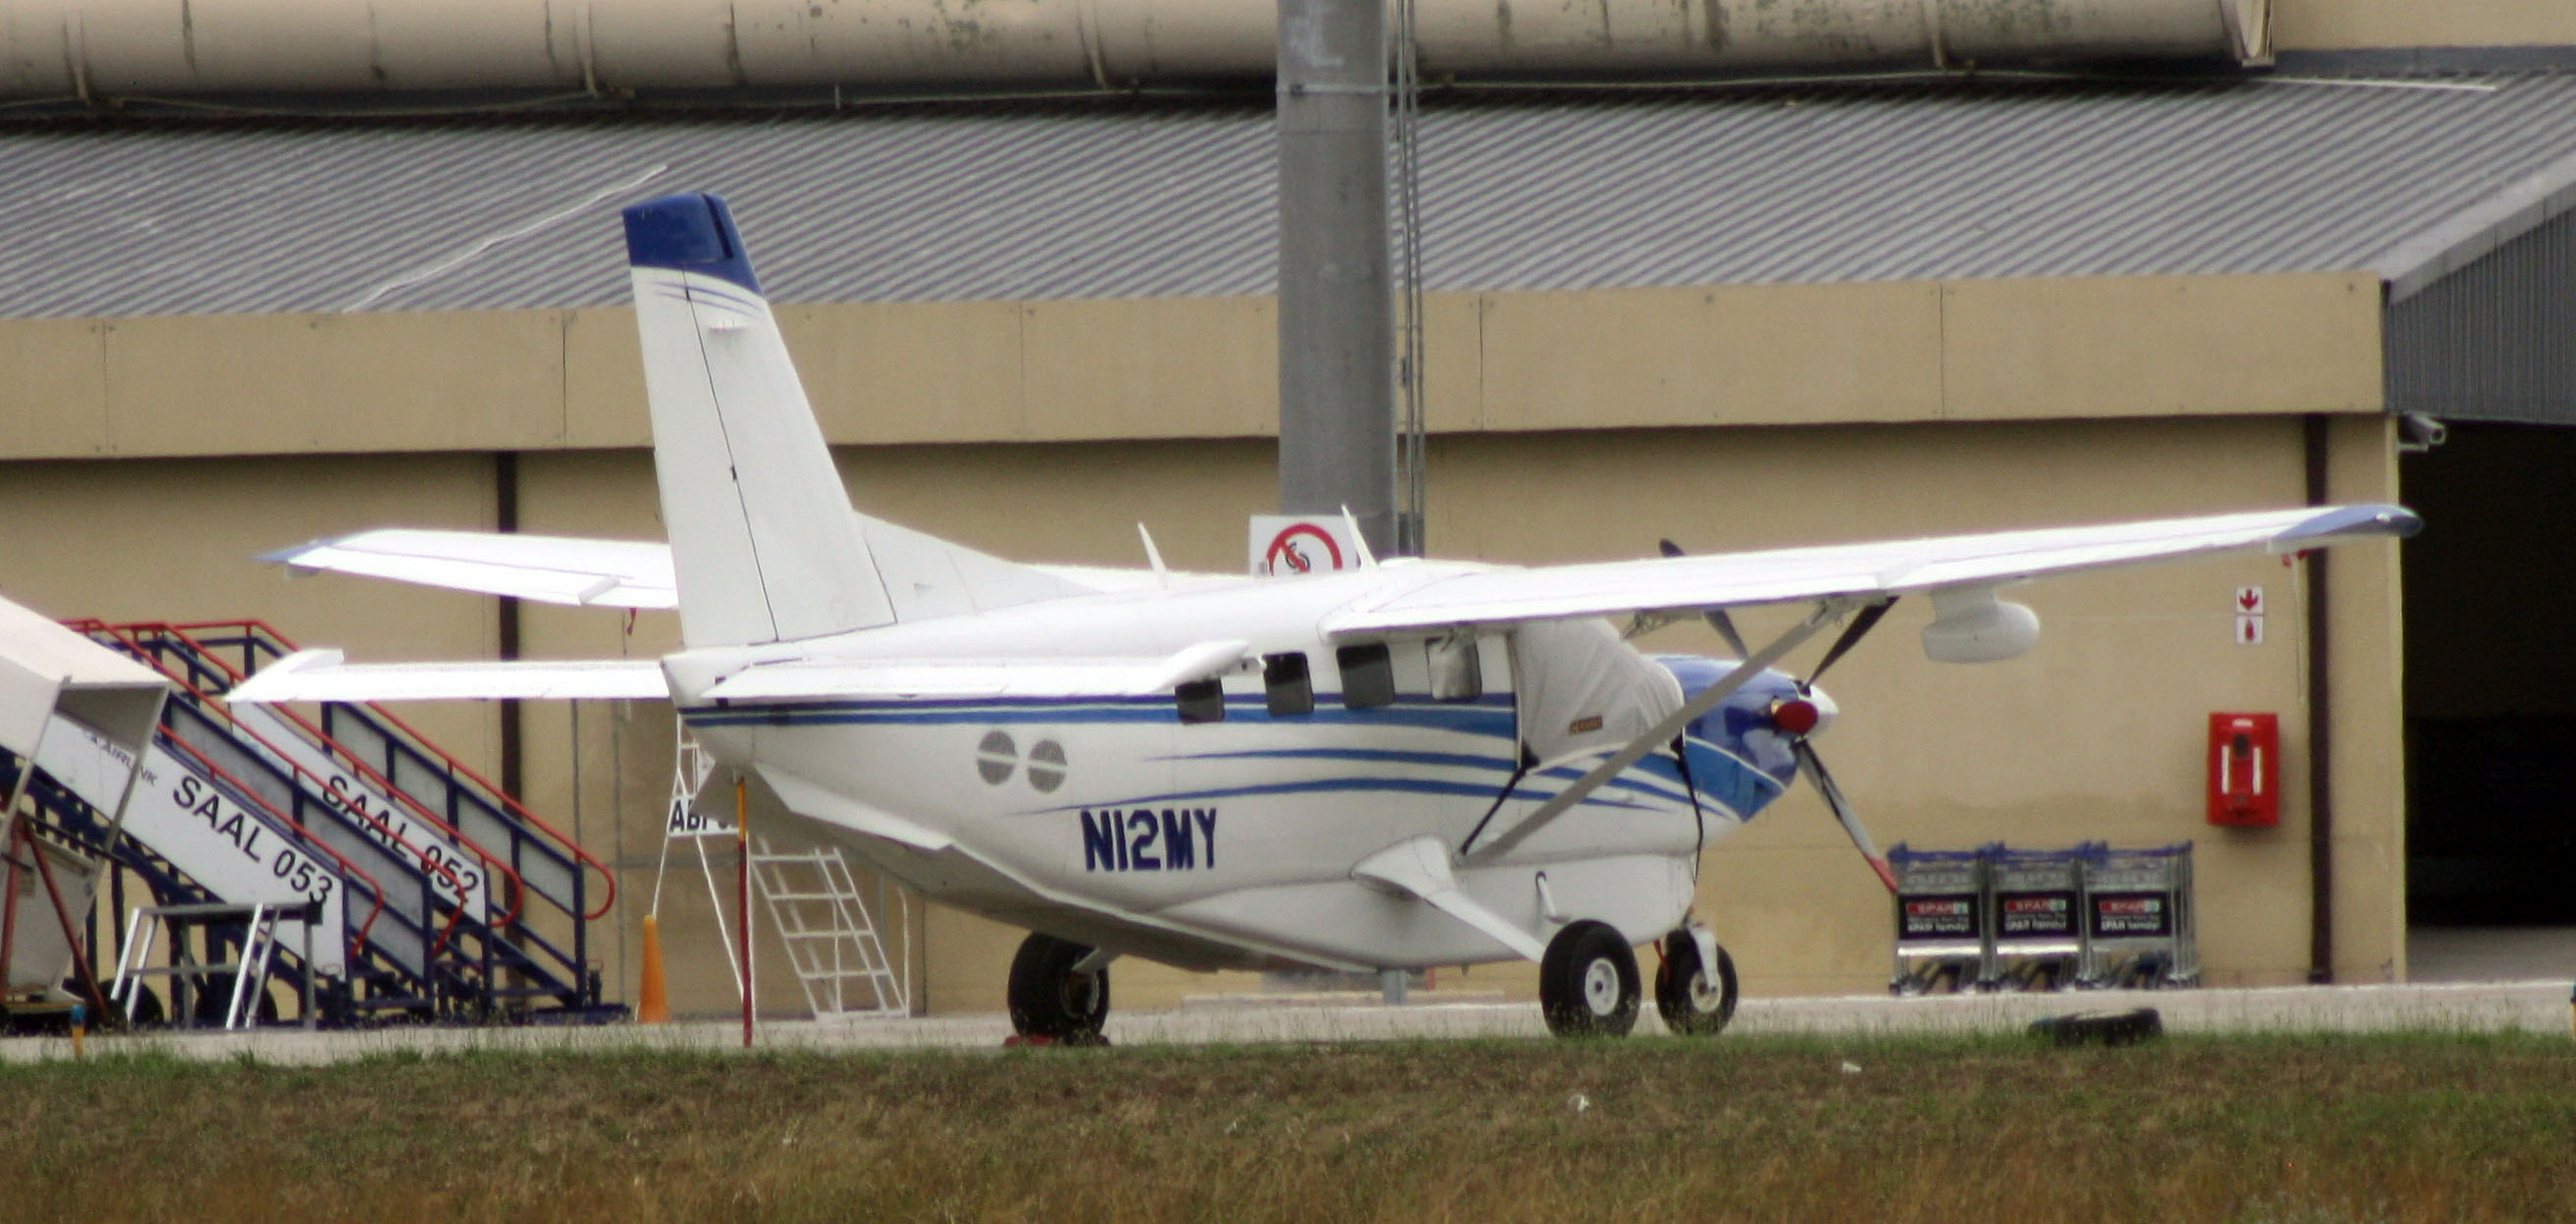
pixel 1478 718
pixel 1720 774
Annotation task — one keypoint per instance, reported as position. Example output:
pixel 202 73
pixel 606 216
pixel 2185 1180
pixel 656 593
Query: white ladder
pixel 249 974
pixel 831 939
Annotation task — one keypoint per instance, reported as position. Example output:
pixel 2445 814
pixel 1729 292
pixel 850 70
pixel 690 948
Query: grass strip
pixel 2434 1127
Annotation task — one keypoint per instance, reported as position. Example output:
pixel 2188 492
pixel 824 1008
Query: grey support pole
pixel 1336 301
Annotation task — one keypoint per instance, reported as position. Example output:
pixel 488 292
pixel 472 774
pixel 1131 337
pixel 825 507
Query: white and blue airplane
pixel 1410 764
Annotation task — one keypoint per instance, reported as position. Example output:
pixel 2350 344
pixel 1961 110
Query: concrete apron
pixel 2538 1007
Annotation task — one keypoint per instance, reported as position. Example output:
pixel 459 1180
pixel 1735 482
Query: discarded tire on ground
pixel 2101 1027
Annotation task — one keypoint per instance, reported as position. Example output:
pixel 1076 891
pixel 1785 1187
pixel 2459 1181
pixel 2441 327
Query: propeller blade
pixel 1852 634
pixel 1814 767
pixel 1717 617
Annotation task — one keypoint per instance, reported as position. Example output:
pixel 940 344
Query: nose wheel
pixel 1587 982
pixel 1049 998
pixel 1696 999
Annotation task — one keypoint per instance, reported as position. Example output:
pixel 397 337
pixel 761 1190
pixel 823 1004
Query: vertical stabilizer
pixel 763 542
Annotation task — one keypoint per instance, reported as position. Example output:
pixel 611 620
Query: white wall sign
pixel 2249 616
pixel 1284 544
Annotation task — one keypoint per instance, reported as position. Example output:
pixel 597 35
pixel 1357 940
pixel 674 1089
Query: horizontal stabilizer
pixel 926 576
pixel 548 569
pixel 322 675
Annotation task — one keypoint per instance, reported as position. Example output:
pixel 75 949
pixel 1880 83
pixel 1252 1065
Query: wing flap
pixel 1726 580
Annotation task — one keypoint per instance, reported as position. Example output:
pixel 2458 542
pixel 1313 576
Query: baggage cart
pixel 2037 899
pixel 1942 932
pixel 2138 919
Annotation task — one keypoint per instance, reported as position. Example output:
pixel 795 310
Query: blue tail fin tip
pixel 688 233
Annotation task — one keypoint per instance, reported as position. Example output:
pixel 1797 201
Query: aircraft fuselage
pixel 1110 814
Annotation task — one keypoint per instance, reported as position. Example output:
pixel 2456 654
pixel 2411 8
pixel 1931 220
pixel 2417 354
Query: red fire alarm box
pixel 2245 770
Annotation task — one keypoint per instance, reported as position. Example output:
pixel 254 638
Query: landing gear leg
pixel 1050 1000
pixel 1587 982
pixel 1695 998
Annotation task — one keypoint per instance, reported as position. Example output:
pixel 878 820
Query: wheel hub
pixel 1704 995
pixel 1601 987
pixel 1080 989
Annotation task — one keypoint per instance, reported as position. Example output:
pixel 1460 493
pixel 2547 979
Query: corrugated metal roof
pixel 1545 191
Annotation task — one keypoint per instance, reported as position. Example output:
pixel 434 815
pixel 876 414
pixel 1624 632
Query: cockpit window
pixel 1291 690
pixel 1368 675
pixel 1201 701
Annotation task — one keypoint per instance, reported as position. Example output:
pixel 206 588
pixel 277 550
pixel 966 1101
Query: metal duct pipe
pixel 94 49
pixel 1336 304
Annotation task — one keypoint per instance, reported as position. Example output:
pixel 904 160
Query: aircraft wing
pixel 549 569
pixel 322 675
pixel 1728 580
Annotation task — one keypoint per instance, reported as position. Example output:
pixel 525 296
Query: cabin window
pixel 1291 689
pixel 1456 673
pixel 1201 701
pixel 1368 675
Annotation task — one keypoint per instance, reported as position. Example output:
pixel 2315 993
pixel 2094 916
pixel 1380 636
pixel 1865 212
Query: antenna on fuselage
pixel 1154 557
pixel 1368 560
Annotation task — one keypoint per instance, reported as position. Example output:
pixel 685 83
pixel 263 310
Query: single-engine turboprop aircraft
pixel 1415 763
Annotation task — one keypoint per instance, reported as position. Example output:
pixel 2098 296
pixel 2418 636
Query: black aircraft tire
pixel 214 996
pixel 1048 999
pixel 1690 1003
pixel 2101 1027
pixel 1587 982
pixel 148 1012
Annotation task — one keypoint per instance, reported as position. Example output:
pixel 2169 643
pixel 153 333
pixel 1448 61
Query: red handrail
pixel 607 878
pixel 143 654
pixel 347 868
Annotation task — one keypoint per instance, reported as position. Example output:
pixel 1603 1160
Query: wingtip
pixel 291 556
pixel 2380 519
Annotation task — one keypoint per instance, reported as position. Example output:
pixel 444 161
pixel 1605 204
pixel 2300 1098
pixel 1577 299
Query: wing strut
pixel 1827 612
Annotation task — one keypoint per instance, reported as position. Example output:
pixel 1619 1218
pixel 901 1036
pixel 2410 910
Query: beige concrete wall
pixel 2367 666
pixel 1065 371
pixel 2319 25
pixel 173 540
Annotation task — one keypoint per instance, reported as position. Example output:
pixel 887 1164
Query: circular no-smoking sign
pixel 1297 549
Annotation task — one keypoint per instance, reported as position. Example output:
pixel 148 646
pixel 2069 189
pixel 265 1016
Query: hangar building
pixel 1735 316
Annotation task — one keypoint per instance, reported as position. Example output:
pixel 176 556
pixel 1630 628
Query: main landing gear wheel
pixel 1587 982
pixel 1694 1001
pixel 1049 999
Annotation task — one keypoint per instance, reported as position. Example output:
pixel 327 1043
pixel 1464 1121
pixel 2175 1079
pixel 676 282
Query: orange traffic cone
pixel 654 1005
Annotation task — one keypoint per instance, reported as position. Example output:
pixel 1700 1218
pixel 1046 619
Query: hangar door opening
pixel 2490 591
